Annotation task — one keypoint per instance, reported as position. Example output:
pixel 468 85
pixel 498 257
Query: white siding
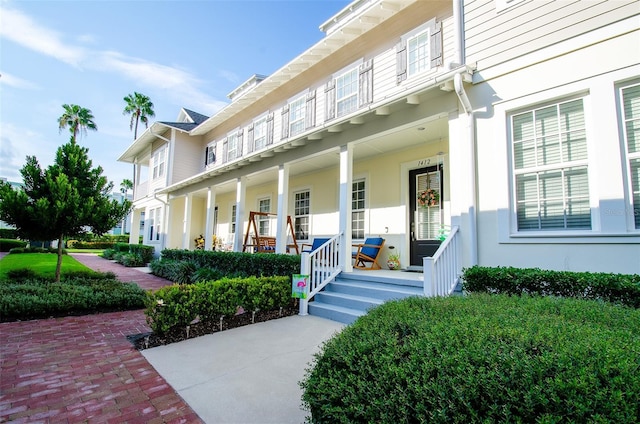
pixel 188 157
pixel 493 37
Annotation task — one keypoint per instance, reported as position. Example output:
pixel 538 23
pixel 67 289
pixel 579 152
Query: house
pixel 522 116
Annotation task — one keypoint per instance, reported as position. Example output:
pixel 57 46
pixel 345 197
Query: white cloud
pixel 20 28
pixel 18 143
pixel 229 76
pixel 13 81
pixel 181 85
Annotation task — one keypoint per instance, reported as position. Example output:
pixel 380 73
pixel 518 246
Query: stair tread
pixel 351 297
pixel 379 286
pixel 344 309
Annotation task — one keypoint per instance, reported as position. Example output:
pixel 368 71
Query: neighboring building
pixel 124 226
pixel 524 117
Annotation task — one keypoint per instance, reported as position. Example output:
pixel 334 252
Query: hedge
pixel 615 288
pixel 131 255
pixel 7 244
pixel 226 263
pixel 77 293
pixel 17 250
pixel 75 244
pixel 480 358
pixel 176 306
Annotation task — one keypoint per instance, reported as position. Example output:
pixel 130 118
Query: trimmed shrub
pixel 36 250
pixel 21 274
pixel 178 305
pixel 614 288
pixel 7 244
pixel 131 255
pixel 74 244
pixel 237 263
pixel 79 293
pixel 480 358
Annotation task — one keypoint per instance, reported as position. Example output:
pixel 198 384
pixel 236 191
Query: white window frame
pixel 537 169
pixel 159 160
pixel 347 94
pixel 424 48
pixel 211 154
pixel 361 210
pixel 297 112
pixel 306 215
pixel 232 141
pixel 155 224
pixel 631 209
pixel 263 221
pixel 232 214
pixel 260 133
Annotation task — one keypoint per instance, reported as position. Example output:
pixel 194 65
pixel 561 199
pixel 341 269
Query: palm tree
pixel 77 119
pixel 140 108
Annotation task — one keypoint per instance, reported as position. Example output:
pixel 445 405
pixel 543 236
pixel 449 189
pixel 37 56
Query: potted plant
pixel 393 260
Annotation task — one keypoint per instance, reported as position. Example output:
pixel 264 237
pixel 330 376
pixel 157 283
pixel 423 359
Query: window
pixel 233 219
pixel 264 205
pixel 301 214
pixel 357 209
pixel 347 92
pixel 418 53
pixel 549 147
pixel 232 147
pixel 210 155
pixel 155 224
pixel 260 133
pixel 158 163
pixel 631 128
pixel 296 116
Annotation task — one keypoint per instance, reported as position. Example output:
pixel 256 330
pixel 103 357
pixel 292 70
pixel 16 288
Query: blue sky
pixel 93 53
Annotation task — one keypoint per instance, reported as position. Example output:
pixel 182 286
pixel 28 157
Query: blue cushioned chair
pixel 317 242
pixel 368 253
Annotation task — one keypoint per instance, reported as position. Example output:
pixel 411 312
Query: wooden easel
pixel 266 244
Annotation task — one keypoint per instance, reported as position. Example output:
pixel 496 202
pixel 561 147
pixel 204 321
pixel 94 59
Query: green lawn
pixel 95 251
pixel 42 263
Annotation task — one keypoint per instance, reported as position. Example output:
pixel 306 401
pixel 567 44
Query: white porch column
pixel 346 186
pixel 134 233
pixel 241 194
pixel 166 225
pixel 211 212
pixel 283 207
pixel 186 223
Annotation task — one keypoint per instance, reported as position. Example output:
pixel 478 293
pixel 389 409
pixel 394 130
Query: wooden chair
pixel 368 253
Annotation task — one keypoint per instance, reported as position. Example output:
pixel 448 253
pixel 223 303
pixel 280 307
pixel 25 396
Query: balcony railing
pixel 141 190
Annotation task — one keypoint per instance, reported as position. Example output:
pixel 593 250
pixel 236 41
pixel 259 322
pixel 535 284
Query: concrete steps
pixel 352 295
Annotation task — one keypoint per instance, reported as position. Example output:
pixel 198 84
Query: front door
pixel 425 194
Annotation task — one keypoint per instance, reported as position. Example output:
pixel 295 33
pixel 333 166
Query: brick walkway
pixel 83 369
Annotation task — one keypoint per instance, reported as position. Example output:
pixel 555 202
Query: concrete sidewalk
pixel 245 375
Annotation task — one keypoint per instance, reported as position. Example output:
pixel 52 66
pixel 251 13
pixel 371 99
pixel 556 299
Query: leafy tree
pixel 140 108
pixel 66 199
pixel 77 119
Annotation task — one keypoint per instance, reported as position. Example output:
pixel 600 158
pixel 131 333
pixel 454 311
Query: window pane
pixel 301 212
pixel 635 188
pixel 631 105
pixel 549 150
pixel 524 154
pixel 418 53
pixel 546 121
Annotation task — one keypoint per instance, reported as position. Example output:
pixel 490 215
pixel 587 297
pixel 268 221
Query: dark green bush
pixel 178 305
pixel 237 263
pixel 89 244
pixel 21 274
pixel 77 293
pixel 207 274
pixel 614 288
pixel 131 255
pixel 16 250
pixel 480 358
pixel 7 244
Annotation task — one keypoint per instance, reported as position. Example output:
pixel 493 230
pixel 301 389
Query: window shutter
pixel 436 45
pixel 401 61
pixel 206 156
pixel 285 122
pixel 270 129
pixel 225 150
pixel 330 100
pixel 366 83
pixel 250 143
pixel 239 143
pixel 310 114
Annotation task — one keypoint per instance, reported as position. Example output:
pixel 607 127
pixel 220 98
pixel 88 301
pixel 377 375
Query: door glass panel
pixel 428 219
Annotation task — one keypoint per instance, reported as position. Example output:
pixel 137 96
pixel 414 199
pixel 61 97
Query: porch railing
pixel 442 271
pixel 322 266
